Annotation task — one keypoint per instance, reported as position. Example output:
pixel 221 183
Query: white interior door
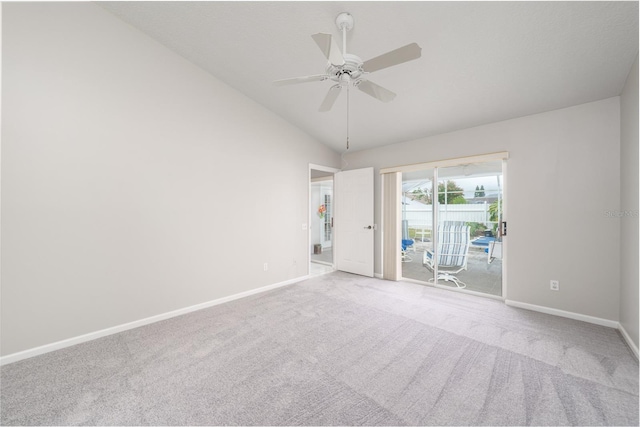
pixel 353 221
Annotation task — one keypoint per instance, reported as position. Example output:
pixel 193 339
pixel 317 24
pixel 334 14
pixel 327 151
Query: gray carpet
pixel 338 349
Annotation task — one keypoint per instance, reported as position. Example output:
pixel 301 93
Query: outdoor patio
pixel 480 276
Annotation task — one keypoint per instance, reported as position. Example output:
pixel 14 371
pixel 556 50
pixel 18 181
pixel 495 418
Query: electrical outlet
pixel 554 285
pixel 266 266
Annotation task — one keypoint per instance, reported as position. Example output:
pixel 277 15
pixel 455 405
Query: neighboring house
pixel 486 199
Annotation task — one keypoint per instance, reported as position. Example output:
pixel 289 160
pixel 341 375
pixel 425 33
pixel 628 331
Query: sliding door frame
pixel 390 199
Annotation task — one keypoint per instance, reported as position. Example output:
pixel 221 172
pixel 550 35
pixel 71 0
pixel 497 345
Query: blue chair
pixel 407 245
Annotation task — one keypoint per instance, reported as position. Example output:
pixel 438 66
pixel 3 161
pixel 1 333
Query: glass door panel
pixel 468 215
pixel 417 224
pixel 327 230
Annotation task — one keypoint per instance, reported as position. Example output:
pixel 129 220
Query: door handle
pixel 368 227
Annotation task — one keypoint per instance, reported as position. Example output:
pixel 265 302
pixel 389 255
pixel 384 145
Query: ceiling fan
pixel 349 70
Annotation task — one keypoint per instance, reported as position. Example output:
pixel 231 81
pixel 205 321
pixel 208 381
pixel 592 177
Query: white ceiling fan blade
pixel 304 79
pixel 330 99
pixel 329 48
pixel 376 91
pixel 394 57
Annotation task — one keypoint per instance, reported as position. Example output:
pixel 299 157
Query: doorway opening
pixel 321 213
pixel 341 221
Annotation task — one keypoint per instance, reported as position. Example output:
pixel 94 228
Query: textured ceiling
pixel 482 62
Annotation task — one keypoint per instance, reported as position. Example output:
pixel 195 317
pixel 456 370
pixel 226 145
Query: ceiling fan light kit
pixel 346 69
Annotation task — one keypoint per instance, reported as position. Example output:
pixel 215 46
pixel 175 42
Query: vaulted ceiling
pixel 481 62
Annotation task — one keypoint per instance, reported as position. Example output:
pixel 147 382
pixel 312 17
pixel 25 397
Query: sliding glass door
pixel 458 244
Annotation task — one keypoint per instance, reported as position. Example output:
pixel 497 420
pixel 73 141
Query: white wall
pixel 567 161
pixel 629 204
pixel 134 183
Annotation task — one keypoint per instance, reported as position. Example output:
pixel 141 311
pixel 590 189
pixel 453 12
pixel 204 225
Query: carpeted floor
pixel 336 349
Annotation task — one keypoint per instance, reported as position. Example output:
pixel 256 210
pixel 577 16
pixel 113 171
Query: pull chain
pixel 348 116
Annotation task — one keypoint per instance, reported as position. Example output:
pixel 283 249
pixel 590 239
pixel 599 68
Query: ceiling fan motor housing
pixel 352 67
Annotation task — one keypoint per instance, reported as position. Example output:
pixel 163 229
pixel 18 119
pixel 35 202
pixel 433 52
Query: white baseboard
pixel 627 338
pixel 562 313
pixel 377 275
pixel 10 358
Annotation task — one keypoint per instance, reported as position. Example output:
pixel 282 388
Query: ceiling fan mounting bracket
pixel 344 20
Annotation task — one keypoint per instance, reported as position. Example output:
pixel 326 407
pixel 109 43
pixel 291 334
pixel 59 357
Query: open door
pixel 354 225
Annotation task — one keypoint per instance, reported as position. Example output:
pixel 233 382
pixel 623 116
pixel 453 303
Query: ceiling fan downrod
pixel 344 22
pixel 347 117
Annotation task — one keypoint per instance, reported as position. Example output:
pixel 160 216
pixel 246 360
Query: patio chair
pixel 453 250
pixel 406 246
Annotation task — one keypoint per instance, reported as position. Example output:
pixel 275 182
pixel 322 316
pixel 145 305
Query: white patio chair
pixel 452 249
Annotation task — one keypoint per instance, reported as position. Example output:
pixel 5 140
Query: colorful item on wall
pixel 321 210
